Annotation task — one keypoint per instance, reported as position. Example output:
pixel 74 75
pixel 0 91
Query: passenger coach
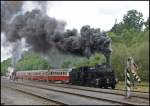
pixel 44 75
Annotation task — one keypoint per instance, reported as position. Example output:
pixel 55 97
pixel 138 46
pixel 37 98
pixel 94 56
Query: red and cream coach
pixel 45 75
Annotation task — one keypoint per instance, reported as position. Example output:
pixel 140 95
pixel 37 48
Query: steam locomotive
pixel 98 76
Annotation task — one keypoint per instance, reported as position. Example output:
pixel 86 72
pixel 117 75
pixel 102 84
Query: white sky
pixel 98 14
pixel 101 14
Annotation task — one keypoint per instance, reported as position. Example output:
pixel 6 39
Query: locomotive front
pixel 105 76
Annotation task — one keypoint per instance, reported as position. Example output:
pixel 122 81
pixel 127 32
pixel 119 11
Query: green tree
pixel 66 64
pixel 140 52
pixel 80 62
pixel 97 58
pixel 133 19
pixel 119 56
pixel 4 66
pixel 32 61
pixel 117 28
pixel 147 24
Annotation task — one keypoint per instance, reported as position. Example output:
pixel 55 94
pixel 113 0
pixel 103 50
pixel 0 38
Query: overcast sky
pixel 98 14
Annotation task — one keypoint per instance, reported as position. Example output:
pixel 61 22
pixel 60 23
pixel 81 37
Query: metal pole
pixel 127 79
pixel 128 83
pixel 125 82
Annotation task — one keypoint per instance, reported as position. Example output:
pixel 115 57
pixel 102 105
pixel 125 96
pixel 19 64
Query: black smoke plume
pixel 42 33
pixel 8 9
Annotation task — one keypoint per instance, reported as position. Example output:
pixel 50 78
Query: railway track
pixel 132 91
pixel 35 95
pixel 136 94
pixel 109 91
pixel 58 96
pixel 111 98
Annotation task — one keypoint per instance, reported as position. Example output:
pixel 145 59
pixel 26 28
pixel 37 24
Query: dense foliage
pixel 29 61
pixel 32 61
pixel 4 65
pixel 129 39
